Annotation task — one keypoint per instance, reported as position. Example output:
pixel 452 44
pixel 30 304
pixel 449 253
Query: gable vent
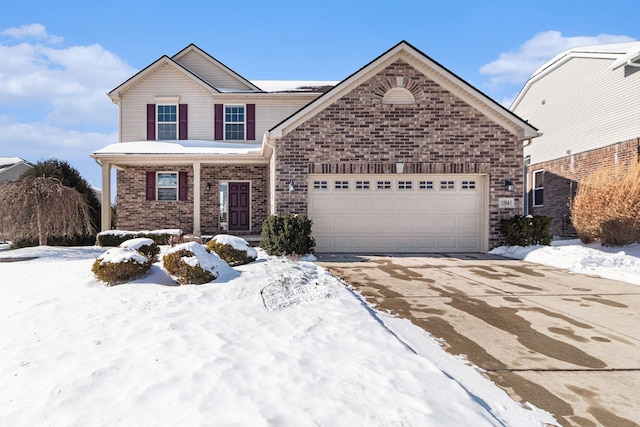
pixel 398 95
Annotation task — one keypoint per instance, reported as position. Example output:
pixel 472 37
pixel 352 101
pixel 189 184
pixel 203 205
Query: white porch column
pixel 106 197
pixel 197 186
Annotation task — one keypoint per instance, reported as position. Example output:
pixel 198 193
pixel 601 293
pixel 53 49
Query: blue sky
pixel 58 60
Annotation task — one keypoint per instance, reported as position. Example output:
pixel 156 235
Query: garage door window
pixel 468 185
pixel 320 185
pixel 342 185
pixel 426 185
pixel 404 185
pixel 384 185
pixel 362 185
pixel 447 185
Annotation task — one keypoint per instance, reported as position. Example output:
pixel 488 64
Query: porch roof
pixel 189 147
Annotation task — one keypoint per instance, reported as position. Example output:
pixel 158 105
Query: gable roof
pixel 193 48
pixel 427 66
pixel 140 75
pixel 620 53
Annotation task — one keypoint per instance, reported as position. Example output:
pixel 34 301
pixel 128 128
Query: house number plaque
pixel 506 203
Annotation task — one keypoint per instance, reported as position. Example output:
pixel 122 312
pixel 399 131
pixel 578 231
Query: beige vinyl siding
pixel 580 106
pixel 209 72
pixel 166 81
pixel 271 109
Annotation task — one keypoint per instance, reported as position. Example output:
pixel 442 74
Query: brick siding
pixel 562 177
pixel 137 213
pixel 440 133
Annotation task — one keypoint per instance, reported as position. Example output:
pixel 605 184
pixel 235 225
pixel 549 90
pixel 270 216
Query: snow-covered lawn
pixel 273 342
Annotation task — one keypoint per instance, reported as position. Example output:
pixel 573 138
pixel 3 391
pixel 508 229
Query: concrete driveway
pixel 567 343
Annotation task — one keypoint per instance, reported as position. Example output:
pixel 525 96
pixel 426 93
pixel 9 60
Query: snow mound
pixel 296 287
pixel 237 243
pixel 137 243
pixel 609 263
pixel 121 255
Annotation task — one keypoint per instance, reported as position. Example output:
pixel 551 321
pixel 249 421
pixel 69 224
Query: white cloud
pixel 53 101
pixel 72 82
pixel 516 67
pixel 35 31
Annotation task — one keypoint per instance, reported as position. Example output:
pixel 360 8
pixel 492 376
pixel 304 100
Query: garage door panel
pixel 447 243
pixel 427 243
pixel 468 243
pixel 397 218
pixel 450 223
pixel 468 224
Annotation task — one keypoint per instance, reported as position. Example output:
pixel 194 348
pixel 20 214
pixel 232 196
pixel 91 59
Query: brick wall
pixel 136 213
pixel 562 177
pixel 440 133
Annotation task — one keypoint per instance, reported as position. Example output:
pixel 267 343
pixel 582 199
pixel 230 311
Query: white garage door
pixel 398 213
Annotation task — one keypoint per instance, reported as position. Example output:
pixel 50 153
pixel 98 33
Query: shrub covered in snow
pixel 116 237
pixel 190 263
pixel 234 250
pixel 287 234
pixel 144 245
pixel 120 265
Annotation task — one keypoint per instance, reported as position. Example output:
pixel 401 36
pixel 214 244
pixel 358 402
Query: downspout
pixel 272 177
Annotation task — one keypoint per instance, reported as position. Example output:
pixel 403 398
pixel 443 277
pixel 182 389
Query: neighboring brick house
pixel 401 156
pixel 586 103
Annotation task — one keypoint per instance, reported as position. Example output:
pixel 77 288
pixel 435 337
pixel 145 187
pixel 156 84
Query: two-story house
pixel 402 155
pixel 586 103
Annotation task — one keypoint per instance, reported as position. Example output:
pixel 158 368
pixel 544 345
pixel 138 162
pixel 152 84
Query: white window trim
pixel 177 187
pixel 224 121
pixel 533 190
pixel 177 122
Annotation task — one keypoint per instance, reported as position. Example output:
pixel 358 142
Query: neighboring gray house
pixel 586 103
pixel 11 168
pixel 401 156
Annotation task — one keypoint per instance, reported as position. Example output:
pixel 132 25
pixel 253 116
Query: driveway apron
pixel 567 343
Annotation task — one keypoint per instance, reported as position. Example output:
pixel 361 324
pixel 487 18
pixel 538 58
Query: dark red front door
pixel 239 206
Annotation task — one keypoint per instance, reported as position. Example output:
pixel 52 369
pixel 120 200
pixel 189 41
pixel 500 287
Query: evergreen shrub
pixel 287 234
pixel 526 230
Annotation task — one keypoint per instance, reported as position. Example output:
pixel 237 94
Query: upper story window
pixel 538 188
pixel 234 122
pixel 167 122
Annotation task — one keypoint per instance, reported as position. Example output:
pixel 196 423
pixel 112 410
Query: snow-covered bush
pixel 120 265
pixel 287 234
pixel 234 250
pixel 190 263
pixel 115 237
pixel 144 245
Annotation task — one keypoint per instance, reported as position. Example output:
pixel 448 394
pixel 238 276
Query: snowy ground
pixel 269 343
pixel 619 263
